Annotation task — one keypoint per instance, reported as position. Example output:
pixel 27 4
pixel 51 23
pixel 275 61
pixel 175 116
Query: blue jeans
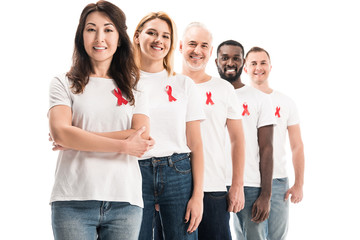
pixel 168 182
pixel 278 221
pixel 215 222
pixel 158 231
pixel 85 220
pixel 244 227
pixel 276 226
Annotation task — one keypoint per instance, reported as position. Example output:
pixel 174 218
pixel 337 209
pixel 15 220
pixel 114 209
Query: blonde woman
pixel 172 171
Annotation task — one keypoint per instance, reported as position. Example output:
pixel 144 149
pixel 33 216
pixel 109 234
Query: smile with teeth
pixel 99 48
pixel 262 73
pixel 157 48
pixel 195 57
pixel 231 70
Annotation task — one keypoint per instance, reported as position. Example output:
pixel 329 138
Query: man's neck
pixel 237 83
pixel 197 76
pixel 262 87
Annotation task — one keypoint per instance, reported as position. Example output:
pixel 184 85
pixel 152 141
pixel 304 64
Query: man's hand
pixel 296 194
pixel 236 199
pixel 261 209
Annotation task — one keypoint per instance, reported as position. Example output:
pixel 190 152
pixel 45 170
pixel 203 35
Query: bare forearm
pixel 120 135
pixel 297 149
pixel 266 170
pixel 194 142
pixel 299 165
pixel 238 163
pixel 138 121
pixel 237 139
pixel 197 165
pixel 78 139
pixel 265 139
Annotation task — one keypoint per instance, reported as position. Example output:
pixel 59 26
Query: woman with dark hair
pixel 173 170
pixel 97 190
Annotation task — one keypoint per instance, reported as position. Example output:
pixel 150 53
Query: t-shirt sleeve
pixel 233 110
pixel 194 109
pixel 59 92
pixel 293 115
pixel 266 114
pixel 141 103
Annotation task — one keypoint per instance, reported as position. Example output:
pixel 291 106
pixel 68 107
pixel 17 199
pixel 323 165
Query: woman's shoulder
pixel 60 78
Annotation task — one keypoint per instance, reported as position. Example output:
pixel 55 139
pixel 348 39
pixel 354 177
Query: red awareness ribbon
pixel 277 113
pixel 246 111
pixel 208 100
pixel 120 99
pixel 169 92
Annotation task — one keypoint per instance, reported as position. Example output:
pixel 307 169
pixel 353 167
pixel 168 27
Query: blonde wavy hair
pixel 168 61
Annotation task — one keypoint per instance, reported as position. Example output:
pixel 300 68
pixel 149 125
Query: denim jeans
pixel 215 222
pixel 276 226
pixel 244 227
pixel 85 220
pixel 278 221
pixel 168 182
pixel 158 231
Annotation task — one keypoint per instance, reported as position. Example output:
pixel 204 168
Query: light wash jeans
pixel 276 226
pixel 168 182
pixel 90 220
pixel 278 221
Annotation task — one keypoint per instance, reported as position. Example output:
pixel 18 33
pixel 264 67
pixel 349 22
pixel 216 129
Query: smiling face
pixel 154 40
pixel 101 38
pixel 196 48
pixel 230 62
pixel 258 67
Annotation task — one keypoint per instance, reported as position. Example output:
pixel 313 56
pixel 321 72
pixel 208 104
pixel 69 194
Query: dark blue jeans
pixel 158 231
pixel 168 182
pixel 215 222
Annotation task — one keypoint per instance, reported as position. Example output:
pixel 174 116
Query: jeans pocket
pixel 281 180
pixel 182 166
pixel 144 163
pixel 218 195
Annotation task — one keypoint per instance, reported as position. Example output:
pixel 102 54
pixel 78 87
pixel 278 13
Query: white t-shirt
pixel 168 117
pixel 98 176
pixel 256 110
pixel 286 114
pixel 220 103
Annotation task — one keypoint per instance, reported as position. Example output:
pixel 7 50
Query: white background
pixel 314 46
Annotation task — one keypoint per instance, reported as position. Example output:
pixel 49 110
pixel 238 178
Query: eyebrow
pixel 153 29
pixel 192 41
pixel 106 24
pixel 227 54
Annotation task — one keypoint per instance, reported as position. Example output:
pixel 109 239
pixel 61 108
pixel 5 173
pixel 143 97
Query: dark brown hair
pixel 257 49
pixel 122 68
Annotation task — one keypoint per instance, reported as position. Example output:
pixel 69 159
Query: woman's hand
pixel 194 212
pixel 136 145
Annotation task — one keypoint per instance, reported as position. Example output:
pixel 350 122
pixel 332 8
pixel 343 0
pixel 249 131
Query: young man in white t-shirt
pixel 258 121
pixel 221 109
pixel 258 67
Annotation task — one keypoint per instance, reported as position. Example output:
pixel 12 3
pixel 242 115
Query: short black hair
pixel 232 43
